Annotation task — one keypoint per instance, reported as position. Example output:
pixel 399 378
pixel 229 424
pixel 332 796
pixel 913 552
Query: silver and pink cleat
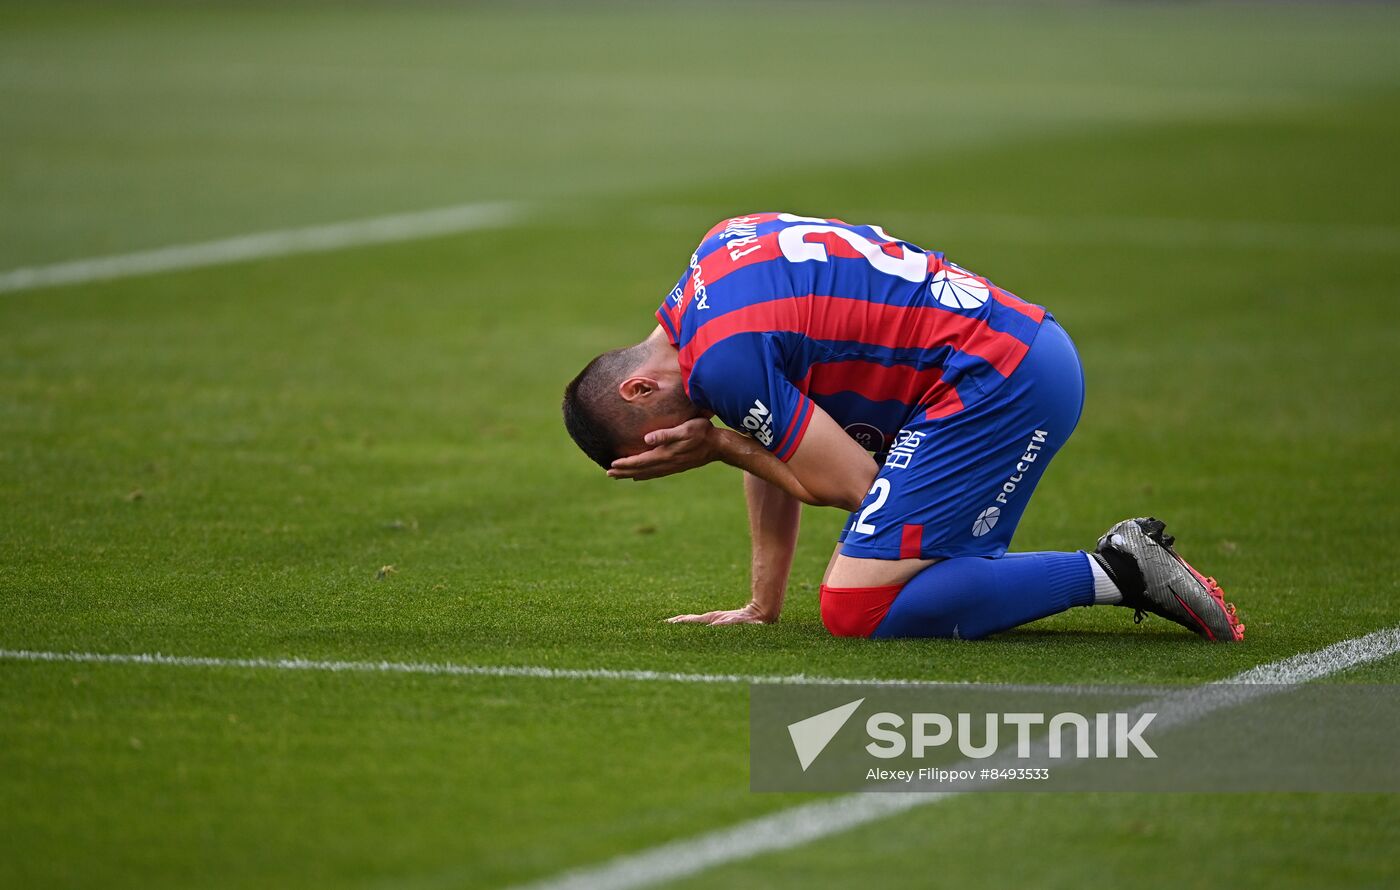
pixel 1164 583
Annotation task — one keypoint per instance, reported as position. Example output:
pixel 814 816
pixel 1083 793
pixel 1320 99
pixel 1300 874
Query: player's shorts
pixel 958 485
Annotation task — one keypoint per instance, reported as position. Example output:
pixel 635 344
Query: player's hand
pixel 673 450
pixel 750 614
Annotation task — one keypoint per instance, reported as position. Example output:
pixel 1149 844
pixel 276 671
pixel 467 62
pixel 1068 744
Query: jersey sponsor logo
pixel 866 436
pixel 957 288
pixel 903 450
pixel 985 521
pixel 702 296
pixel 1023 466
pixel 759 422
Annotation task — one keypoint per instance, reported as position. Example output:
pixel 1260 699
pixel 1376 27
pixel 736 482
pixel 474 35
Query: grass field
pixel 218 461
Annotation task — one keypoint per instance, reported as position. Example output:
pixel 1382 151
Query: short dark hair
pixel 594 412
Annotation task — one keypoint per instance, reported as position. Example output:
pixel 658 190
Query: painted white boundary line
pixel 800 825
pixel 467 217
pixel 476 670
pixel 283 242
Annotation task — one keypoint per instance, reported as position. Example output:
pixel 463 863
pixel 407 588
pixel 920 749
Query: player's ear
pixel 637 387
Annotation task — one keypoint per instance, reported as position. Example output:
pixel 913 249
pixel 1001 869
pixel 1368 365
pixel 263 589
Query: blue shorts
pixel 958 485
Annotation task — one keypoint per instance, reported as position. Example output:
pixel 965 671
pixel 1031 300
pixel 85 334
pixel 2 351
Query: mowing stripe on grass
pixel 485 670
pixel 1171 233
pixel 800 825
pixel 1141 231
pixel 283 242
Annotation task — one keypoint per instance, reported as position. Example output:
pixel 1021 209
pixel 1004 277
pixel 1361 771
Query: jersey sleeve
pixel 669 312
pixel 740 379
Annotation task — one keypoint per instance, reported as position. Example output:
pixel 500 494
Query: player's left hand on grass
pixel 750 614
pixel 673 450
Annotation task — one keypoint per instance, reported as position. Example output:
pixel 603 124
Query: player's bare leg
pixel 849 571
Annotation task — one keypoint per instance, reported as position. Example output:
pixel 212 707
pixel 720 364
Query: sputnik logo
pixel 811 736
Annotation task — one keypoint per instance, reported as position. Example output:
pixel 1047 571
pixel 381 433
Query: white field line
pixel 283 242
pixel 800 825
pixel 478 670
pixel 1144 231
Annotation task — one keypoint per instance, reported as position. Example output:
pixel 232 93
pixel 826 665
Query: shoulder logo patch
pixel 958 289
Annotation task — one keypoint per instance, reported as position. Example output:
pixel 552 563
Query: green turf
pixel 218 462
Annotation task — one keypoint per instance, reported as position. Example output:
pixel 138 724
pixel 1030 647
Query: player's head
pixel 621 396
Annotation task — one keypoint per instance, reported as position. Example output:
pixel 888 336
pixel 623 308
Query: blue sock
pixel 969 597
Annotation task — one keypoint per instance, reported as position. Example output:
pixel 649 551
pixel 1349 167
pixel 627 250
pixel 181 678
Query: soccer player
pixel 819 343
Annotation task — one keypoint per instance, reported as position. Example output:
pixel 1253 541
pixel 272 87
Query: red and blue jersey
pixel 778 312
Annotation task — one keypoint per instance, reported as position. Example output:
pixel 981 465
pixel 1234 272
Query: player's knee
pixel 856 611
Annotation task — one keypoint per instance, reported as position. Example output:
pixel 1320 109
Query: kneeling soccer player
pixel 822 342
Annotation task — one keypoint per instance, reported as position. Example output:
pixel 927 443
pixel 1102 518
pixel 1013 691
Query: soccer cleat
pixel 1138 555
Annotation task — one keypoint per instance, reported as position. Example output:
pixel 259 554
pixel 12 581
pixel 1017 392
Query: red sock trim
pixel 856 611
